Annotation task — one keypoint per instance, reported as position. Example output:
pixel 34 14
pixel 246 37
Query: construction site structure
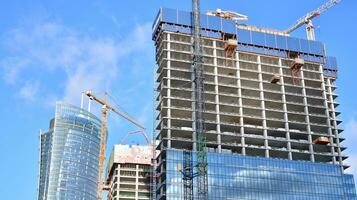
pixel 103 137
pixel 128 172
pixel 261 121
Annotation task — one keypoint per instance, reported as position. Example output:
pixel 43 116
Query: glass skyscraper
pixel 271 112
pixel 69 153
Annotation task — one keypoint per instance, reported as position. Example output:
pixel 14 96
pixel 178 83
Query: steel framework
pixel 199 126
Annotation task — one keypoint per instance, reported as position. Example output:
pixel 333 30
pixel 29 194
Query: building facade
pixel 69 153
pixel 128 172
pixel 270 108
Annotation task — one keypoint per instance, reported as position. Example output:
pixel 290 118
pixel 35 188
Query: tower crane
pixel 307 19
pixel 199 108
pixel 103 136
pixel 199 146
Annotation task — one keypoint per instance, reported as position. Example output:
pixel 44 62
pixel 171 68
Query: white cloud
pixel 87 62
pixel 115 20
pixel 29 91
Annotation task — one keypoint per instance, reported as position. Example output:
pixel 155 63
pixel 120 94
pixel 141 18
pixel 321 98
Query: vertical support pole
pixel 201 149
pixel 102 147
pixel 240 103
pixel 285 109
pixel 262 104
pixel 307 119
pixel 218 119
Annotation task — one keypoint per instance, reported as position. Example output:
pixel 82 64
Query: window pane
pixel 244 36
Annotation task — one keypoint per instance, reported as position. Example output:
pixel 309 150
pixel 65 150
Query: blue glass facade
pixel 244 177
pixel 45 147
pixel 69 155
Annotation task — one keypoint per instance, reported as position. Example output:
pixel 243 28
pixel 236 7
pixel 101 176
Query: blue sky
pixel 52 50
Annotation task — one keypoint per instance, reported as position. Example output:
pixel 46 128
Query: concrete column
pixel 327 109
pixel 240 102
pixel 261 88
pixel 118 175
pixel 285 109
pixel 218 121
pixel 307 118
pixel 169 90
pixel 136 181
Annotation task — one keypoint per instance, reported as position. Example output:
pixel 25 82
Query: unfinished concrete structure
pixel 128 172
pixel 266 95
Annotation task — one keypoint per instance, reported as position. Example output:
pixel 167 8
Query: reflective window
pixel 214 23
pixel 305 47
pixel 204 21
pixel 242 177
pixel 169 15
pixel 293 44
pixel 184 18
pixel 258 38
pixel 270 40
pixel 316 48
pixel 228 26
pixel 281 42
pixel 69 165
pixel 244 36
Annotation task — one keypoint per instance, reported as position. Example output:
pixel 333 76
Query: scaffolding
pixel 296 66
pixel 230 46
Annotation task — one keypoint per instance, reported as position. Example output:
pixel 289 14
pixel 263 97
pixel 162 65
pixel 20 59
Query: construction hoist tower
pixel 199 171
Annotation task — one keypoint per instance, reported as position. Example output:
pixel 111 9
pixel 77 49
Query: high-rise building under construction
pixel 271 117
pixel 69 153
pixel 128 172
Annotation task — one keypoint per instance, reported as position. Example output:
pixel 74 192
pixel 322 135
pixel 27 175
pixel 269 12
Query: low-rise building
pixel 128 172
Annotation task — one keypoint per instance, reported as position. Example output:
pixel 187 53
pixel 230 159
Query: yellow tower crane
pixel 103 136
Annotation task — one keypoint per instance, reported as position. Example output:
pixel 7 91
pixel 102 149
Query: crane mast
pixel 307 19
pixel 102 148
pixel 199 106
pixel 103 135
